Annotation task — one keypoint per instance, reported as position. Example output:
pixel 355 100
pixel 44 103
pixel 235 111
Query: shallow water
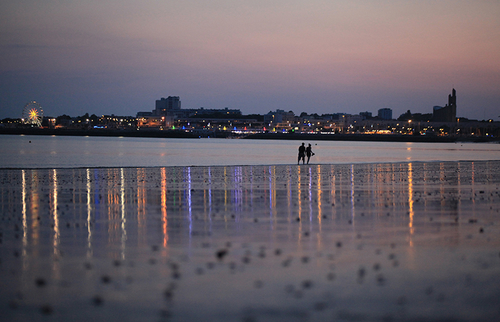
pixel 361 242
pixel 28 152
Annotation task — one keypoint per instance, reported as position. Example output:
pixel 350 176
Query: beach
pixel 415 241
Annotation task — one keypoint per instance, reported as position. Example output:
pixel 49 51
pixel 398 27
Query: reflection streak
pixel 352 194
pixel 122 208
pixel 54 211
pixel 89 231
pixel 410 201
pixel 25 219
pixel 319 205
pixel 164 216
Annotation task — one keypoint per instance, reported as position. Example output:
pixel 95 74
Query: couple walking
pixel 303 151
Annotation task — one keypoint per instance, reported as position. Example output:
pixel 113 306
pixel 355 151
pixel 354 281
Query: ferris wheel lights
pixel 32 114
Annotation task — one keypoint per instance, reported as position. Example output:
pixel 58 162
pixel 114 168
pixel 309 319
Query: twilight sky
pixel 314 56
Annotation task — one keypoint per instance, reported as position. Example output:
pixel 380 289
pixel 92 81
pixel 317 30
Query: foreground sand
pixel 365 242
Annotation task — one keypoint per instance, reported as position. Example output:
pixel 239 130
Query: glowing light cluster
pixel 33 114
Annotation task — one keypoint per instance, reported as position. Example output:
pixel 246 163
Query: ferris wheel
pixel 33 114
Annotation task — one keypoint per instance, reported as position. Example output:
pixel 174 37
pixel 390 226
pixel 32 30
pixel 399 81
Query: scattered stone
pixel 97 300
pixel 46 309
pixel 380 279
pixel 168 294
pixel 307 284
pixel 105 279
pixel 287 262
pixel 220 254
pixel 40 282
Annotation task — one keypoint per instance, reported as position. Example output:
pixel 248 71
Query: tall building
pixel 385 114
pixel 366 115
pixel 164 105
pixel 446 113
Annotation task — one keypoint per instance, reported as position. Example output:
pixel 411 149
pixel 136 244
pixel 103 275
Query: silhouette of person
pixel 302 153
pixel 309 152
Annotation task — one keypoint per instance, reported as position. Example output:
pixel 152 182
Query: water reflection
pixel 89 210
pixel 164 216
pixel 410 199
pixel 54 205
pixel 54 209
pixel 112 210
pixel 25 218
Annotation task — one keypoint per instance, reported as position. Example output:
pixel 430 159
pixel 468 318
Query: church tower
pixel 452 99
pixel 447 113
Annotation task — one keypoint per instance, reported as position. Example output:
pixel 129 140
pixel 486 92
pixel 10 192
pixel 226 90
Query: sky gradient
pixel 315 56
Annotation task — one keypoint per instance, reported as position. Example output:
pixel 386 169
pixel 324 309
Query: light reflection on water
pixel 79 225
pixel 121 206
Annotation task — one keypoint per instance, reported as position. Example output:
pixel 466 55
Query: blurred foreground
pixel 362 242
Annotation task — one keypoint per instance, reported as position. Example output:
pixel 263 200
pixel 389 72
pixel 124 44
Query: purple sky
pixel 315 56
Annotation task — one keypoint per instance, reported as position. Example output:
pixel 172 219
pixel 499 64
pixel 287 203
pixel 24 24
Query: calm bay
pixel 24 151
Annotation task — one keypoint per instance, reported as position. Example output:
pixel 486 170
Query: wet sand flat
pixel 361 242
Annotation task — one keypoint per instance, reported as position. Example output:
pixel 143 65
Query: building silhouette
pixel 164 105
pixel 385 114
pixel 447 113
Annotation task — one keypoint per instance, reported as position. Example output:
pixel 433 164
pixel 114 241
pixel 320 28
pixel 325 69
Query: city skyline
pixel 315 57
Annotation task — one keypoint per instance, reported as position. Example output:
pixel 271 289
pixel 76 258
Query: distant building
pixel 168 111
pixel 447 113
pixel 366 115
pixel 204 113
pixel 164 105
pixel 349 119
pixel 385 114
pixel 279 116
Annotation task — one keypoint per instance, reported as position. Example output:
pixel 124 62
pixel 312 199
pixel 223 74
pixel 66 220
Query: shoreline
pixel 257 136
pixel 310 165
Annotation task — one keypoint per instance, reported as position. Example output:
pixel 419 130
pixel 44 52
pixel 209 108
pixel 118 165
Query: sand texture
pixel 362 242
